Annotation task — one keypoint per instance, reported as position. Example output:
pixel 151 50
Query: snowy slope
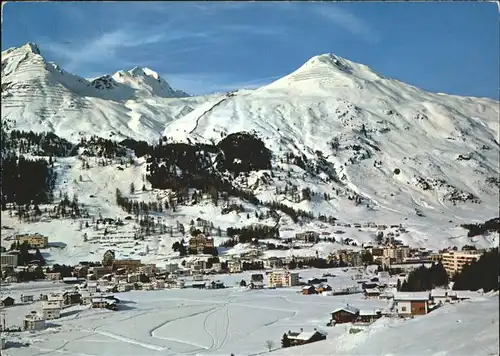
pixel 399 149
pixel 445 331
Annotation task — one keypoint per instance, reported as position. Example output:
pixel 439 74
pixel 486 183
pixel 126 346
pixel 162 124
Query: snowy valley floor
pixel 239 321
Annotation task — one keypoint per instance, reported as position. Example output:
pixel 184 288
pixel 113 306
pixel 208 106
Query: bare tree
pixel 269 345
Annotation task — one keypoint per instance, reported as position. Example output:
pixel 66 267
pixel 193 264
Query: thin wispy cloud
pixel 108 45
pixel 172 39
pixel 348 21
pixel 255 29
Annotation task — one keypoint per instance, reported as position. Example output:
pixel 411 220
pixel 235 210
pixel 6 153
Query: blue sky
pixel 202 47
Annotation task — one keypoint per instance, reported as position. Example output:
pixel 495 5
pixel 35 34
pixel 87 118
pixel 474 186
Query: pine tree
pixel 132 188
pixel 285 341
pixel 39 257
pixel 118 195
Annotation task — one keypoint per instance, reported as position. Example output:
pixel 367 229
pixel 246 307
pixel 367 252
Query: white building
pixel 124 287
pixel 282 278
pixel 56 297
pixel 413 303
pixel 8 260
pixel 383 275
pixel 33 321
pixel 234 266
pixel 92 287
pixel 159 284
pixel 148 269
pixel 51 310
pixel 171 267
pixel 217 267
pixel 273 262
pixel 198 277
pixel 454 261
pixel 27 298
pixel 440 296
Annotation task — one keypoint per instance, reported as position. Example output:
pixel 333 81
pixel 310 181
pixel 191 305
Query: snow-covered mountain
pixel 357 145
pixel 399 147
pixel 41 96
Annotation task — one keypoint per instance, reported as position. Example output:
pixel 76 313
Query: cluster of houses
pixel 52 305
pixel 9 259
pixel 402 305
pixel 388 253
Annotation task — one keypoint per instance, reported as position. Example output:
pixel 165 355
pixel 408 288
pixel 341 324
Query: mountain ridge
pixel 347 141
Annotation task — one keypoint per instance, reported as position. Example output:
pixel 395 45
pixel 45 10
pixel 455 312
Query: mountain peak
pixel 147 81
pixel 332 61
pixel 28 47
pixel 343 65
pixel 31 47
pixel 326 72
pixel 141 71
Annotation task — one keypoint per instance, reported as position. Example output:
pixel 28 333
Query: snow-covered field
pixel 240 321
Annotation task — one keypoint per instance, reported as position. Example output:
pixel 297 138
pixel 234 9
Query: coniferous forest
pixel 424 278
pixel 209 168
pixel 480 274
pixel 26 181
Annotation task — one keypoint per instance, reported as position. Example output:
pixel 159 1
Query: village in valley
pixel 364 283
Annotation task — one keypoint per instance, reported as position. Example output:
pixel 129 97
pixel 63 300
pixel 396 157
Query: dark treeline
pixel 180 167
pixel 423 278
pixel 236 153
pixel 248 233
pixel 317 263
pixel 138 207
pixel 243 152
pixel 480 274
pixel 49 144
pixel 252 265
pixel 64 270
pixel 39 144
pixel 26 181
pixel 100 147
pixel 492 225
pixel 69 208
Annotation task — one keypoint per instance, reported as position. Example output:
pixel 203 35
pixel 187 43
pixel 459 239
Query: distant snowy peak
pixel 146 81
pixel 144 71
pixel 324 73
pixel 25 63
